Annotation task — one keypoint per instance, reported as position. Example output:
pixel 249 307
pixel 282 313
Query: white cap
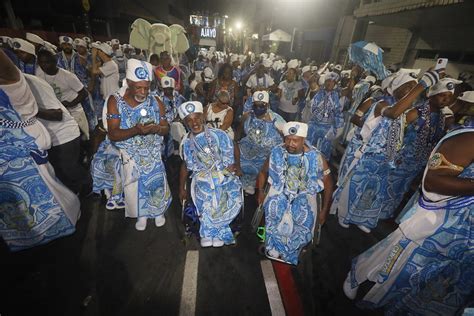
pixel 104 47
pixel 6 40
pixel 24 46
pixel 80 42
pixel 65 39
pixel 208 74
pixel 443 85
pixel 261 96
pixel 115 41
pixel 167 82
pixel 370 79
pixel 33 38
pixel 399 80
pixel 267 63
pixel 234 58
pixel 331 76
pixel 109 43
pixel 138 70
pixel 292 64
pixel 467 96
pixel 53 48
pixel 338 67
pixel 306 69
pixel 346 73
pixel 87 39
pixel 295 128
pixel 190 107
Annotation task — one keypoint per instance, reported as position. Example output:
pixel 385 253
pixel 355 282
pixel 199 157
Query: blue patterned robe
pixel 425 266
pixel 29 213
pixel 326 118
pixel 105 170
pixel 261 137
pixel 171 106
pixel 144 176
pixel 216 192
pixel 290 205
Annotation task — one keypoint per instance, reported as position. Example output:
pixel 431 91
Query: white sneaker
pixel 160 220
pixel 216 243
pixel 364 229
pixel 341 222
pixel 350 292
pixel 141 223
pixel 249 190
pixel 206 242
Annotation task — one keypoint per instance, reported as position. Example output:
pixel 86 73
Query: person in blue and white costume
pixel 425 266
pixel 136 126
pixel 35 208
pixel 296 173
pixel 215 189
pixel 172 99
pixel 327 117
pixel 259 132
pixel 363 193
pixel 26 54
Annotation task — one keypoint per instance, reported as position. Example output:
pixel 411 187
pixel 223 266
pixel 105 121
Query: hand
pixel 183 194
pixel 144 129
pixel 260 196
pixel 322 216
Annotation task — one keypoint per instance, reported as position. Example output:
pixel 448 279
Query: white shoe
pixel 341 222
pixel 206 242
pixel 160 220
pixel 141 223
pixel 364 229
pixel 249 190
pixel 216 243
pixel 350 292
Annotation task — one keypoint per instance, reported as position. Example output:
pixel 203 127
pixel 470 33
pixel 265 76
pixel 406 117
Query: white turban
pixel 467 96
pixel 104 47
pixel 167 82
pixel 338 67
pixel 398 80
pixel 306 69
pixel 87 39
pixel 6 40
pixel 24 46
pixel 80 42
pixel 292 64
pixel 115 41
pixel 261 96
pixel 208 74
pixel 331 76
pixel 138 70
pixel 65 39
pixel 190 107
pixel 443 85
pixel 234 58
pixel 33 38
pixel 267 63
pixel 370 79
pixel 295 128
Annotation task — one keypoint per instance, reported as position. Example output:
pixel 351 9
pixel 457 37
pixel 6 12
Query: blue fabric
pixel 216 193
pixel 261 137
pixel 154 196
pixel 368 60
pixel 326 118
pixel 29 213
pixel 290 208
pixel 29 68
pixel 171 107
pixel 105 168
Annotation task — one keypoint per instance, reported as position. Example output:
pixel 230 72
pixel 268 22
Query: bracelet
pixel 359 113
pixel 383 110
pixel 326 172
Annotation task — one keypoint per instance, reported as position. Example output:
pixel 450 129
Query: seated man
pixel 297 172
pixel 215 189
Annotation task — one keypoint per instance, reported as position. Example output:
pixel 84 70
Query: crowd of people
pixel 106 118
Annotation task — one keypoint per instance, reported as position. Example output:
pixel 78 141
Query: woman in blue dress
pixel 261 127
pixel 425 266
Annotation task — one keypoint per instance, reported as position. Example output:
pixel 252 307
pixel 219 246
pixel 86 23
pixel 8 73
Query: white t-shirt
pixel 289 91
pixel 62 131
pixel 109 82
pixel 65 84
pixel 23 101
pixel 266 81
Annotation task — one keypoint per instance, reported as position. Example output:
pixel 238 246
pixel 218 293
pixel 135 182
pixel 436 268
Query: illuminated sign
pixel 208 32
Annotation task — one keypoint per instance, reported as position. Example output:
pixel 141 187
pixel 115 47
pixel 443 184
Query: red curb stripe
pixel 289 293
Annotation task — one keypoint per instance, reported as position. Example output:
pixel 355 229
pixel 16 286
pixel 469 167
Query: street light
pixel 238 25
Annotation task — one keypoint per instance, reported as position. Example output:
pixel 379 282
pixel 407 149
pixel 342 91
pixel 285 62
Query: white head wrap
pixel 295 128
pixel 443 85
pixel 371 79
pixel 338 67
pixel 292 63
pixel 267 63
pixel 261 96
pixel 467 96
pixel 33 38
pixel 398 80
pixel 208 74
pixel 115 41
pixel 331 76
pixel 80 42
pixel 190 107
pixel 104 47
pixel 306 69
pixel 138 70
pixel 167 82
pixel 24 46
pixel 6 40
pixel 234 58
pixel 65 39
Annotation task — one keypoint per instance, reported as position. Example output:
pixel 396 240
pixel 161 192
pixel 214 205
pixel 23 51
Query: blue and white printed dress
pixel 425 266
pixel 32 200
pixel 146 189
pixel 290 205
pixel 261 137
pixel 171 107
pixel 326 118
pixel 216 193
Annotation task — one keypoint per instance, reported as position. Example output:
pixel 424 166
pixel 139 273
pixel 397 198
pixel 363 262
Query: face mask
pixel 259 111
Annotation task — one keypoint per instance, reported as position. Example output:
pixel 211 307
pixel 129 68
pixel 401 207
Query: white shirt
pixel 65 84
pixel 289 91
pixel 266 81
pixel 62 131
pixel 109 82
